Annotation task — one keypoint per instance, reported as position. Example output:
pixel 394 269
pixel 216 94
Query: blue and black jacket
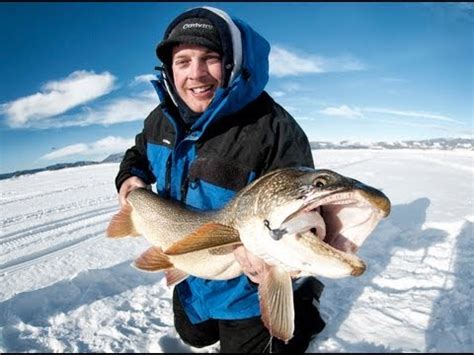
pixel 242 135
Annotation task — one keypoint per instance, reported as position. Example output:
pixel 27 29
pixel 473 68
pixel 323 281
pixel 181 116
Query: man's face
pixel 197 73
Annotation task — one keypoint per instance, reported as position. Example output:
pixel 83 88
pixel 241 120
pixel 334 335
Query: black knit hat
pixel 193 30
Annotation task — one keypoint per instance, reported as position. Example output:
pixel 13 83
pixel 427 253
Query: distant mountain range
pixel 436 143
pixel 51 167
pixel 427 144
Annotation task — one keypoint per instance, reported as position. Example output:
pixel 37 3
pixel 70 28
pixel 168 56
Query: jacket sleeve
pixel 135 162
pixel 290 147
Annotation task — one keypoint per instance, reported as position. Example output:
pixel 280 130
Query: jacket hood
pixel 245 62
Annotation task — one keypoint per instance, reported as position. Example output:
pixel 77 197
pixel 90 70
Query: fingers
pixel 122 200
pixel 252 266
pixel 295 274
pixel 129 185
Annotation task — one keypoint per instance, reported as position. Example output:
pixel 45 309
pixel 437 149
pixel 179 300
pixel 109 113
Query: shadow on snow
pixel 451 317
pixel 402 229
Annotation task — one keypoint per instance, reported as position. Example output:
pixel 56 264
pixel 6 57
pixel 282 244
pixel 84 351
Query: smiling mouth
pixel 202 90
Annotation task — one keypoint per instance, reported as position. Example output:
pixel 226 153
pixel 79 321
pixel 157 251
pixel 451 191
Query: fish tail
pixel 121 224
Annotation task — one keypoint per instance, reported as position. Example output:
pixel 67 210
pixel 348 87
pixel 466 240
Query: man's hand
pixel 128 185
pixel 252 266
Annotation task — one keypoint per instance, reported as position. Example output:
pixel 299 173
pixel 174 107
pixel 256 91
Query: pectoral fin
pixel 210 235
pixel 175 276
pixel 121 224
pixel 153 259
pixel 276 303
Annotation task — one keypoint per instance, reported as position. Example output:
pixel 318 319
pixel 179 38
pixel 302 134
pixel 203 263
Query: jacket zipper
pixel 185 184
pixel 168 178
pixel 184 189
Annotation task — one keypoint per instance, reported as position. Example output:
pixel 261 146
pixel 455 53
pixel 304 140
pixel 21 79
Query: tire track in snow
pixel 355 162
pixel 51 238
pixel 9 221
pixel 48 253
pixel 36 195
pixel 33 232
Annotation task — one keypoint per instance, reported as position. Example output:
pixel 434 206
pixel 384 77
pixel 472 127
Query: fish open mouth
pixel 341 220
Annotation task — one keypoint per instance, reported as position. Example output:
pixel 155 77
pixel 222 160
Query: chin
pixel 199 108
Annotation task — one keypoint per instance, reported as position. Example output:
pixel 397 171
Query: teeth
pixel 201 89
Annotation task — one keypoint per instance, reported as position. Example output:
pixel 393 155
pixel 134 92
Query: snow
pixel 67 288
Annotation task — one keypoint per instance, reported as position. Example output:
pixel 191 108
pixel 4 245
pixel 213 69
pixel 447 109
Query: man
pixel 214 132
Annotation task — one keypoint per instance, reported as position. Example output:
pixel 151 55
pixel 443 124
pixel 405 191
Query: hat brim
pixel 163 50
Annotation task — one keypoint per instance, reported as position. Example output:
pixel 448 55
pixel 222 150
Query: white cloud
pixel 102 147
pixel 66 151
pixel 342 111
pixel 125 109
pixel 277 94
pixel 121 110
pixel 284 63
pixel 304 118
pixel 57 97
pixel 145 78
pixel 348 112
pixel 342 63
pixel 416 114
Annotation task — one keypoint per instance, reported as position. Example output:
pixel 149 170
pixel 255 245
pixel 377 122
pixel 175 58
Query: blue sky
pixel 74 76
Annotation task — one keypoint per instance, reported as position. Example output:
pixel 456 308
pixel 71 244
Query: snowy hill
pixel 58 166
pixel 437 143
pixel 65 287
pixel 114 158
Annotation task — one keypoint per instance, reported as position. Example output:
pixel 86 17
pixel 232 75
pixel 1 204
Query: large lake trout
pixel 300 221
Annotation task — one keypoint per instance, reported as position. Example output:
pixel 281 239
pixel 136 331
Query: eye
pixel 180 62
pixel 319 182
pixel 213 59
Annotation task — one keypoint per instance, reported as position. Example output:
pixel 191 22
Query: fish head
pixel 313 220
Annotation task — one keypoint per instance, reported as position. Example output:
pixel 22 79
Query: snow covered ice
pixel 65 287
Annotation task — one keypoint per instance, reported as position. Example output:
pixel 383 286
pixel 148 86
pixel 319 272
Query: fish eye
pixel 319 182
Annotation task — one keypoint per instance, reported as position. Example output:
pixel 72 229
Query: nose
pixel 197 69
